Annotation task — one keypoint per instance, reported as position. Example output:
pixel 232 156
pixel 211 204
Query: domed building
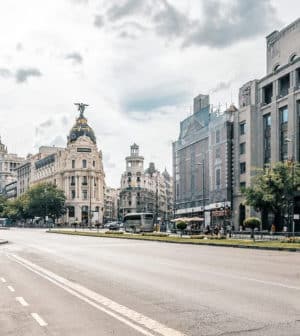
pixel 76 169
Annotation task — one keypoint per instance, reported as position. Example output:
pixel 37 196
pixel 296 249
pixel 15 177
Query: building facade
pixel 8 164
pixel 111 204
pixel 76 169
pixel 144 190
pixel 267 124
pixel 202 164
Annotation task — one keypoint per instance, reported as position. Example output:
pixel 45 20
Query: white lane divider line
pixel 22 301
pixel 3 280
pixel 39 320
pixel 11 288
pixel 131 318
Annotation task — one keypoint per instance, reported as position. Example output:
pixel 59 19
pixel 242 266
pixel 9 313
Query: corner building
pixel 77 170
pixel 267 123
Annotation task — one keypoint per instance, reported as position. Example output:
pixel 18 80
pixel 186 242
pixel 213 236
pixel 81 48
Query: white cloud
pixel 138 87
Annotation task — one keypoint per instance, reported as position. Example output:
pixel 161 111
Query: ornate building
pixel 8 164
pixel 76 169
pixel 144 190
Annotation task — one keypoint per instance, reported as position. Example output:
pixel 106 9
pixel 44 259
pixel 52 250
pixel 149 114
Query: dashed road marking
pixel 22 301
pixel 3 280
pixel 11 288
pixel 39 320
pixel 131 318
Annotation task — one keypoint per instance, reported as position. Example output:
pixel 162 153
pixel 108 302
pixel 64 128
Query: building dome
pixel 81 127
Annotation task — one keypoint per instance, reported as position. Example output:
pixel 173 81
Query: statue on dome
pixel 81 108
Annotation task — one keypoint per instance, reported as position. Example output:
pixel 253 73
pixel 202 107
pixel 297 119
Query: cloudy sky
pixel 138 63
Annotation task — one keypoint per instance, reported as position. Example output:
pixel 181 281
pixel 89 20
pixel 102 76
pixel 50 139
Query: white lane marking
pixel 39 320
pixel 124 314
pixel 22 301
pixel 11 288
pixel 3 280
pixel 93 304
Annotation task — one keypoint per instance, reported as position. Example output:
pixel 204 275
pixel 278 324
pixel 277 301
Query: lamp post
pixel 291 203
pixel 46 208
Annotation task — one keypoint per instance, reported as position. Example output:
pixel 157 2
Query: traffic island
pixel 164 238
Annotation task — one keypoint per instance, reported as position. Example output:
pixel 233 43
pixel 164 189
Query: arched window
pixel 276 67
pixel 293 57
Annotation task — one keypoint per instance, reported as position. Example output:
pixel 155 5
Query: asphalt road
pixel 70 285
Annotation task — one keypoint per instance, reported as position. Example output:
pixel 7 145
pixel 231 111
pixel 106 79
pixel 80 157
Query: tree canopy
pixel 41 200
pixel 273 188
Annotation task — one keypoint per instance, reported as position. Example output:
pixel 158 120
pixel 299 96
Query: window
pixel 73 195
pixel 242 167
pixel 284 85
pixel 83 163
pixel 267 137
pixel 276 67
pixel 242 128
pixel 242 185
pixel 242 148
pixel 94 163
pixel 71 211
pixel 298 78
pixel 84 180
pixel 73 164
pixel 267 94
pixel 72 180
pixel 283 116
pixel 138 179
pixel 293 57
pixel 218 136
pixel 218 178
pixel 84 194
pixel 218 153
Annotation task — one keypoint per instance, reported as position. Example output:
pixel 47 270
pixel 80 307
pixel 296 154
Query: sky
pixel 137 63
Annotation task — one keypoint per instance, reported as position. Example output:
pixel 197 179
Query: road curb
pixel 3 241
pixel 271 248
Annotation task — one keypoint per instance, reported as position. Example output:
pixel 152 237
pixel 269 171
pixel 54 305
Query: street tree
pixel 45 199
pixel 252 223
pixel 272 189
pixel 17 208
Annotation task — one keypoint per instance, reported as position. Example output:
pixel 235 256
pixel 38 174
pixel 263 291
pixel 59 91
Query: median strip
pixel 264 245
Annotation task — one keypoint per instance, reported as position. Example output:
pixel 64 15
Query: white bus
pixel 139 222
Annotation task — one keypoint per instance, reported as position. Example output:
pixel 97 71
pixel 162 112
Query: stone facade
pixel 76 169
pixel 144 190
pixel 8 164
pixel 202 164
pixel 268 115
pixel 111 204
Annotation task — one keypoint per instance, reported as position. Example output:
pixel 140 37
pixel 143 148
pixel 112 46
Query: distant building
pixel 267 124
pixel 143 190
pixel 10 190
pixel 111 204
pixel 8 165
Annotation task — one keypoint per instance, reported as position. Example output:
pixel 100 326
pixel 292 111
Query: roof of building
pixel 81 128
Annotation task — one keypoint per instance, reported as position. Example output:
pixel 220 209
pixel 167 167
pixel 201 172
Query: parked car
pixel 112 226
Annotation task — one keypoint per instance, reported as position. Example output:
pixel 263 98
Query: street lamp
pixel 291 203
pixel 203 186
